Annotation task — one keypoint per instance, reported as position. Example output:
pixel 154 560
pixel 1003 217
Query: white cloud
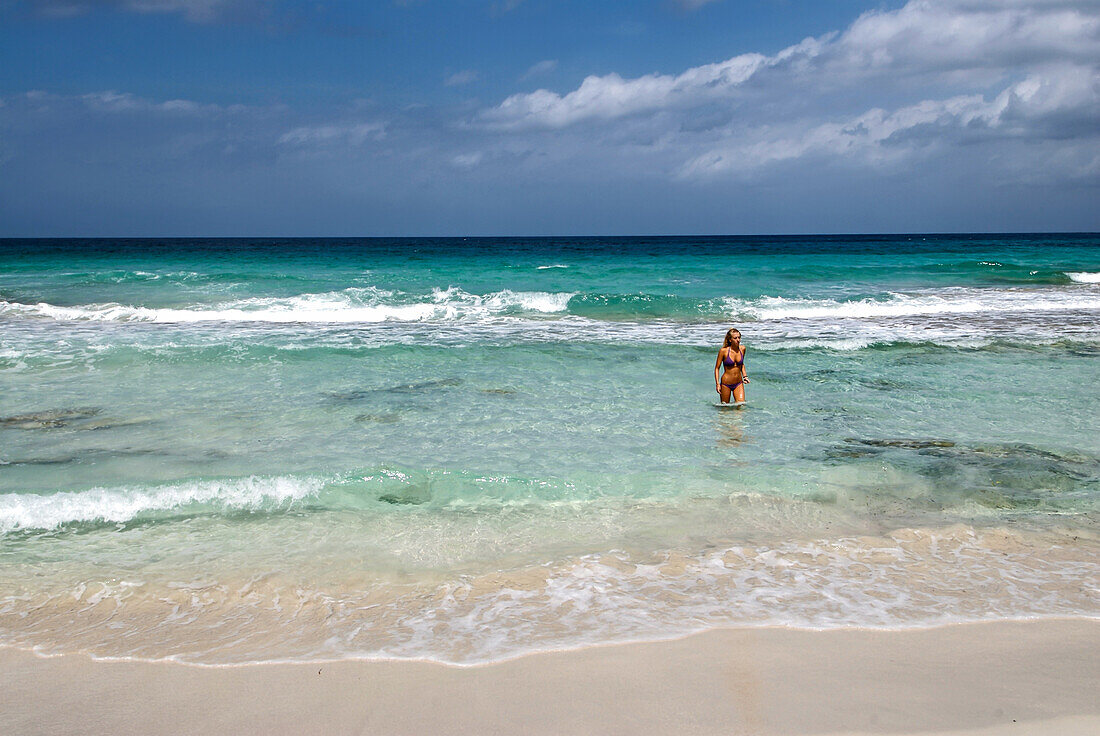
pixel 877 135
pixel 612 96
pixel 543 67
pixel 61 9
pixel 505 6
pixel 693 4
pixel 196 11
pixel 346 134
pixel 936 39
pixel 459 78
pixel 940 106
pixel 111 101
pixel 467 160
pixel 934 35
pixel 202 11
pixel 925 79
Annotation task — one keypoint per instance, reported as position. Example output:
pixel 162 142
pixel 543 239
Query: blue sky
pixel 497 117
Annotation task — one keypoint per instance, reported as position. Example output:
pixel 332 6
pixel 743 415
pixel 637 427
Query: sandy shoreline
pixel 1002 677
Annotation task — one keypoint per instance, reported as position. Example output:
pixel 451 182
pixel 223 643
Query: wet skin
pixel 732 375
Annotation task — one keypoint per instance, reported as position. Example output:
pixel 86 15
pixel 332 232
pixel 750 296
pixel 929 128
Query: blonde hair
pixel 729 337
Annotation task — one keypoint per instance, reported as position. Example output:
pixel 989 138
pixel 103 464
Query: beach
pixel 508 367
pixel 487 479
pixel 1038 677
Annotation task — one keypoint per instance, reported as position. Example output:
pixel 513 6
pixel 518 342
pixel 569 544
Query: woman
pixel 731 356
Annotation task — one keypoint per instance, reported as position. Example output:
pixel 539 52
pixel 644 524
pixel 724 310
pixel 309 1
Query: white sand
pixel 1038 677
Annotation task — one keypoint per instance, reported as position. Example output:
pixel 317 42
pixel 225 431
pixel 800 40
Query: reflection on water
pixel 729 427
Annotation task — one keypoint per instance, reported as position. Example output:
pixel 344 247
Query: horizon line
pixel 940 233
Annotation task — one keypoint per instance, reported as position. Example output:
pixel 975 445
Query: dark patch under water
pixel 411 499
pixel 1002 476
pixel 911 444
pixel 409 388
pixel 49 419
pixel 378 418
pixel 97 455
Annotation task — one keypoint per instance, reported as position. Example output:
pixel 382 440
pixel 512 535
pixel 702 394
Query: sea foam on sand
pixel 1019 678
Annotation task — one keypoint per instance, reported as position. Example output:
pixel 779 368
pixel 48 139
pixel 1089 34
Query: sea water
pixel 223 451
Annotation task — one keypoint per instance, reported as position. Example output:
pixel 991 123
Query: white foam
pixel 353 305
pixel 945 302
pixel 372 305
pixel 909 578
pixel 12 359
pixel 555 265
pixel 1084 277
pixel 503 301
pixel 31 511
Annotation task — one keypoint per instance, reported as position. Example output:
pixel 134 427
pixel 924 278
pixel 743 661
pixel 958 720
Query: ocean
pixel 463 450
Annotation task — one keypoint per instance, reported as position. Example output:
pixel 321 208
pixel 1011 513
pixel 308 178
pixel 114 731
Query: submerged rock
pixel 423 386
pixel 828 375
pixel 399 500
pixel 848 453
pixel 409 388
pixel 1018 449
pixel 85 456
pixel 109 423
pixel 379 418
pixel 908 444
pixel 47 419
pixel 883 384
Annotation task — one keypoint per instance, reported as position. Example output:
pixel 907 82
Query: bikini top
pixel 728 361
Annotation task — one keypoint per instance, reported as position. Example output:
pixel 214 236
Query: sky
pixel 543 117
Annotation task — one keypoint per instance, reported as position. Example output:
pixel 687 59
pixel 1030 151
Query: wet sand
pixel 1037 677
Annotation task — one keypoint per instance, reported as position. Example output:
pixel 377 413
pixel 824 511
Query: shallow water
pixel 225 451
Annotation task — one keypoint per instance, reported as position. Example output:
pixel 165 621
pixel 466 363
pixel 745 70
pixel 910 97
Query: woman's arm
pixel 744 375
pixel 717 380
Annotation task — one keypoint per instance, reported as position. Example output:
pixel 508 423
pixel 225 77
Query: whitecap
pixel 32 511
pixel 943 302
pixel 353 305
pixel 1084 277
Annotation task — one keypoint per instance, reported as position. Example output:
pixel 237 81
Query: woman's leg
pixel 739 392
pixel 724 392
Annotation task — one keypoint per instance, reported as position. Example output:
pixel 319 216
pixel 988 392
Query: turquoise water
pixel 234 450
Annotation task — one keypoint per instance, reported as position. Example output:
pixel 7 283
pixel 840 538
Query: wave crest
pixel 346 306
pixel 22 511
pixel 945 302
pixel 364 305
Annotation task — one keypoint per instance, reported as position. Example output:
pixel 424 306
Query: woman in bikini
pixel 731 358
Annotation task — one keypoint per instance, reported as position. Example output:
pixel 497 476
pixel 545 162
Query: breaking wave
pixel 910 577
pixel 20 511
pixel 349 305
pixel 942 302
pixel 370 304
